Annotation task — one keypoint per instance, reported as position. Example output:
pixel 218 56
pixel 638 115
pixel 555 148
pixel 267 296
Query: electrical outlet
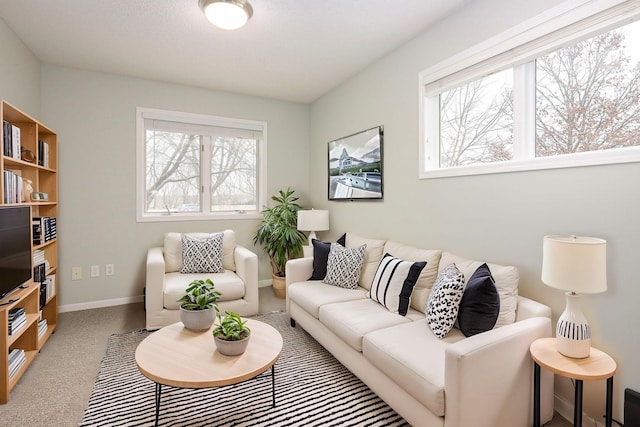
pixel 76 273
pixel 95 271
pixel 109 270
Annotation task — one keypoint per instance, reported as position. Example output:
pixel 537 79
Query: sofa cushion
pixel 428 275
pixel 372 256
pixel 352 320
pixel 173 250
pixel 506 280
pixel 227 283
pixel 344 266
pixel 415 358
pixel 443 303
pixel 480 303
pixel 202 255
pixel 311 295
pixel 321 256
pixel 393 283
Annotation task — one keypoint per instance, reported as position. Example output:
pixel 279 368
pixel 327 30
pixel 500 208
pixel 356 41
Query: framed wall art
pixel 355 166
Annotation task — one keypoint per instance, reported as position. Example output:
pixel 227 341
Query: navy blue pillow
pixel 480 303
pixel 320 257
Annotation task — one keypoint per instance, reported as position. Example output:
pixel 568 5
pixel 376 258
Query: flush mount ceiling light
pixel 227 14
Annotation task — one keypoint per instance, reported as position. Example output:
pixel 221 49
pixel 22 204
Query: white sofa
pixel 165 284
pixel 485 380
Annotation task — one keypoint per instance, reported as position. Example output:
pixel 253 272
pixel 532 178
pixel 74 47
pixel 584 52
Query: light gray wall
pixel 500 218
pixel 19 73
pixel 94 116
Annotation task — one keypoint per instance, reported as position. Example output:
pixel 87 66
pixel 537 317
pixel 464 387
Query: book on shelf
pixel 17 358
pixel 15 312
pixel 12 184
pixel 7 132
pixel 42 327
pixel 44 229
pixel 43 153
pixel 50 283
pixel 15 139
pixel 17 325
pixel 39 273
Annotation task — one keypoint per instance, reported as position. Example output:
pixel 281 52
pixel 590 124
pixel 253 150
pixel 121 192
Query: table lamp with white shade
pixel 576 264
pixel 313 220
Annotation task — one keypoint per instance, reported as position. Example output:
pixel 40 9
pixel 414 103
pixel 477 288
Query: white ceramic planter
pixel 231 348
pixel 197 320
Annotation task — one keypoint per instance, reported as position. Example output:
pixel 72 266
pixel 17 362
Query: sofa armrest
pixel 528 308
pixel 489 377
pixel 247 269
pixel 296 270
pixel 154 287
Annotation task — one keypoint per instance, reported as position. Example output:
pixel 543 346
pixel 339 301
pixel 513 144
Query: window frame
pixel 517 48
pixel 144 113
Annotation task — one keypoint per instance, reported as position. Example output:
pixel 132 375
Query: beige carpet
pixel 56 388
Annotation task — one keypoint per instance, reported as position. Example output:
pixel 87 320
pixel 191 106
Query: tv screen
pixel 15 248
pixel 355 166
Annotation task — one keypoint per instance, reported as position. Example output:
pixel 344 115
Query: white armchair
pixel 165 284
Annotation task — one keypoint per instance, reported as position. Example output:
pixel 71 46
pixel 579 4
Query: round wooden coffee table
pixel 178 357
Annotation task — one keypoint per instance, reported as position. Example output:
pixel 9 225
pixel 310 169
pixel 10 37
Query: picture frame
pixel 355 166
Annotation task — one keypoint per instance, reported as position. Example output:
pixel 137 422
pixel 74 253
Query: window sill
pixel 199 217
pixel 594 158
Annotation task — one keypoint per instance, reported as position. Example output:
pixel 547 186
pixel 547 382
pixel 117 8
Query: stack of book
pixel 12 144
pixel 43 153
pixel 17 319
pixel 44 229
pixel 50 283
pixel 42 327
pixel 16 360
pixel 12 187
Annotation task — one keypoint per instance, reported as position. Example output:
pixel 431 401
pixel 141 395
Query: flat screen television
pixel 15 248
pixel 355 166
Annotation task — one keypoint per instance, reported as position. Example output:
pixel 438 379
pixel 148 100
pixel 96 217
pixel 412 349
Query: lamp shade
pixel 575 263
pixel 313 220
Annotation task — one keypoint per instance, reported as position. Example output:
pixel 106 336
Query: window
pixel 553 95
pixel 198 167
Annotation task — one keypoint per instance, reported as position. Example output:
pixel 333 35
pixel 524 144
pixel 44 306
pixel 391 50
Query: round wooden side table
pixel 598 366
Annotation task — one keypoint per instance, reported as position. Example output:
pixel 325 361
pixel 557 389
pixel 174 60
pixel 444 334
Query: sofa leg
pixel 293 322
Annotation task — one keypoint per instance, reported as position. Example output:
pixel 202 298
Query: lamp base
pixel 312 236
pixel 573 333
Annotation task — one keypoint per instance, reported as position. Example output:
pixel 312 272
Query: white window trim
pixel 143 113
pixel 570 21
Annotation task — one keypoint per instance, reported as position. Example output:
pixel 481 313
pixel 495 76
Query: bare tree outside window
pixel 476 121
pixel 588 95
pixel 173 171
pixel 233 174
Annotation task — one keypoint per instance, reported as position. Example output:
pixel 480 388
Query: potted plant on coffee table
pixel 231 335
pixel 199 306
pixel 279 235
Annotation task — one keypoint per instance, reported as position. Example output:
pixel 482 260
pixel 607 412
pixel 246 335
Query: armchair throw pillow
pixel 202 255
pixel 393 283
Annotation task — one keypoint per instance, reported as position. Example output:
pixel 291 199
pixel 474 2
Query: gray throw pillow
pixel 202 255
pixel 344 266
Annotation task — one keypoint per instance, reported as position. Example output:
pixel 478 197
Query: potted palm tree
pixel 279 236
pixel 231 335
pixel 199 306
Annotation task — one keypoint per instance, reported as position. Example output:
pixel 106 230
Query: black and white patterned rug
pixel 312 389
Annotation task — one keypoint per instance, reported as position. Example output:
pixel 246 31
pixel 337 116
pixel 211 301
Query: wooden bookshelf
pixel 43 176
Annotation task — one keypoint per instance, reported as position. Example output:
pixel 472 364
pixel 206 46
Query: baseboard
pixel 100 304
pixel 264 283
pixel 565 409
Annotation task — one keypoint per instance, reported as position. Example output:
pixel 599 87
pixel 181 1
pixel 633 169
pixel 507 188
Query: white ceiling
pixel 295 50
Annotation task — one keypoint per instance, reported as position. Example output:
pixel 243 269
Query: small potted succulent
pixel 231 335
pixel 199 306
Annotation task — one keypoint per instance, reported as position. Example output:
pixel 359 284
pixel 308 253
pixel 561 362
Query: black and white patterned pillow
pixel 444 301
pixel 344 266
pixel 202 255
pixel 394 281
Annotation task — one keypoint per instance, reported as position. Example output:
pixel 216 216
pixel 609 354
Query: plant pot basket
pixel 279 286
